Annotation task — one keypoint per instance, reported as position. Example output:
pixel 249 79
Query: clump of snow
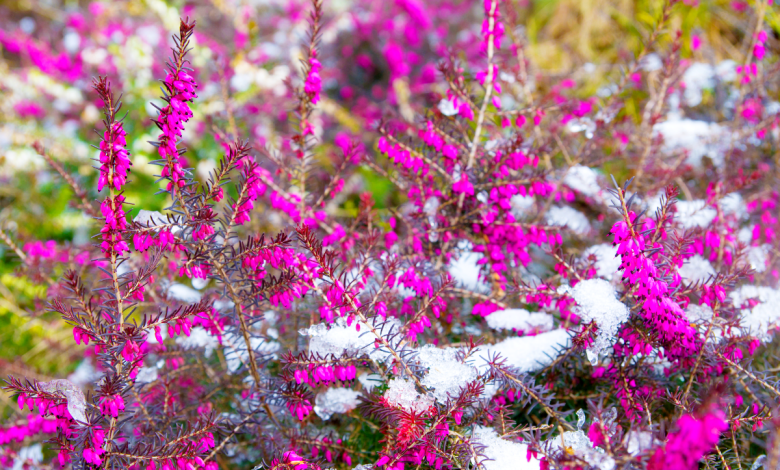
pixel 651 62
pixel 521 205
pixel 28 457
pixel 446 374
pixel 697 138
pixel 579 443
pixel 696 269
pixel 607 261
pixel 519 319
pixel 583 124
pixel 369 381
pixel 745 235
pixel 698 312
pixel 447 108
pixel 183 293
pixel 528 353
pixel 146 375
pixel 759 462
pixel 503 454
pixel 757 257
pixel 639 441
pixel 337 339
pixel 694 213
pixel 84 374
pixel 762 317
pixel 199 338
pixel 465 269
pixel 584 180
pixel 597 301
pixel 335 400
pixel 401 392
pixel 150 218
pixel 733 203
pixel 566 216
pixel 700 76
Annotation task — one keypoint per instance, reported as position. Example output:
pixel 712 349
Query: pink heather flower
pixel 759 51
pixel 114 158
pixel 300 409
pixel 111 406
pixel 27 109
pixel 659 309
pixel 695 42
pixel 313 84
pixel 180 86
pixel 694 438
pixel 80 335
pixel 130 351
pixel 463 186
pixel 115 224
pixel 115 163
pixel 91 457
pixel 494 31
pixel 291 459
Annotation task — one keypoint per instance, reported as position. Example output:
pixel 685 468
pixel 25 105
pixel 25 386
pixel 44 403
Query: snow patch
pixel 29 457
pixel 694 213
pixel 566 216
pixel 697 138
pixel 199 338
pixel 607 261
pixel 340 338
pixel 335 400
pixel 763 316
pixel 401 392
pixel 369 381
pixel 527 353
pixel 696 269
pixel 146 375
pixel 584 180
pixel 597 301
pixel 503 454
pixel 757 257
pixel 465 270
pixel 519 319
pixel 446 374
pixel 183 293
pixel 521 205
pixel 578 443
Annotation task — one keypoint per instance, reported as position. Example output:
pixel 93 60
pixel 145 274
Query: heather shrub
pixel 409 246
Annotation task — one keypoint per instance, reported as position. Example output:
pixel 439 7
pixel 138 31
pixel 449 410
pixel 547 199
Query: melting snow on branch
pixel 607 261
pixel 571 218
pixel 401 392
pixel 335 400
pixel 597 301
pixel 503 454
pixel 446 374
pixel 696 269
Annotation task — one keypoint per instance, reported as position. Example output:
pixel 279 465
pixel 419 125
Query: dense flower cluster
pixel 114 164
pixel 179 91
pixel 694 438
